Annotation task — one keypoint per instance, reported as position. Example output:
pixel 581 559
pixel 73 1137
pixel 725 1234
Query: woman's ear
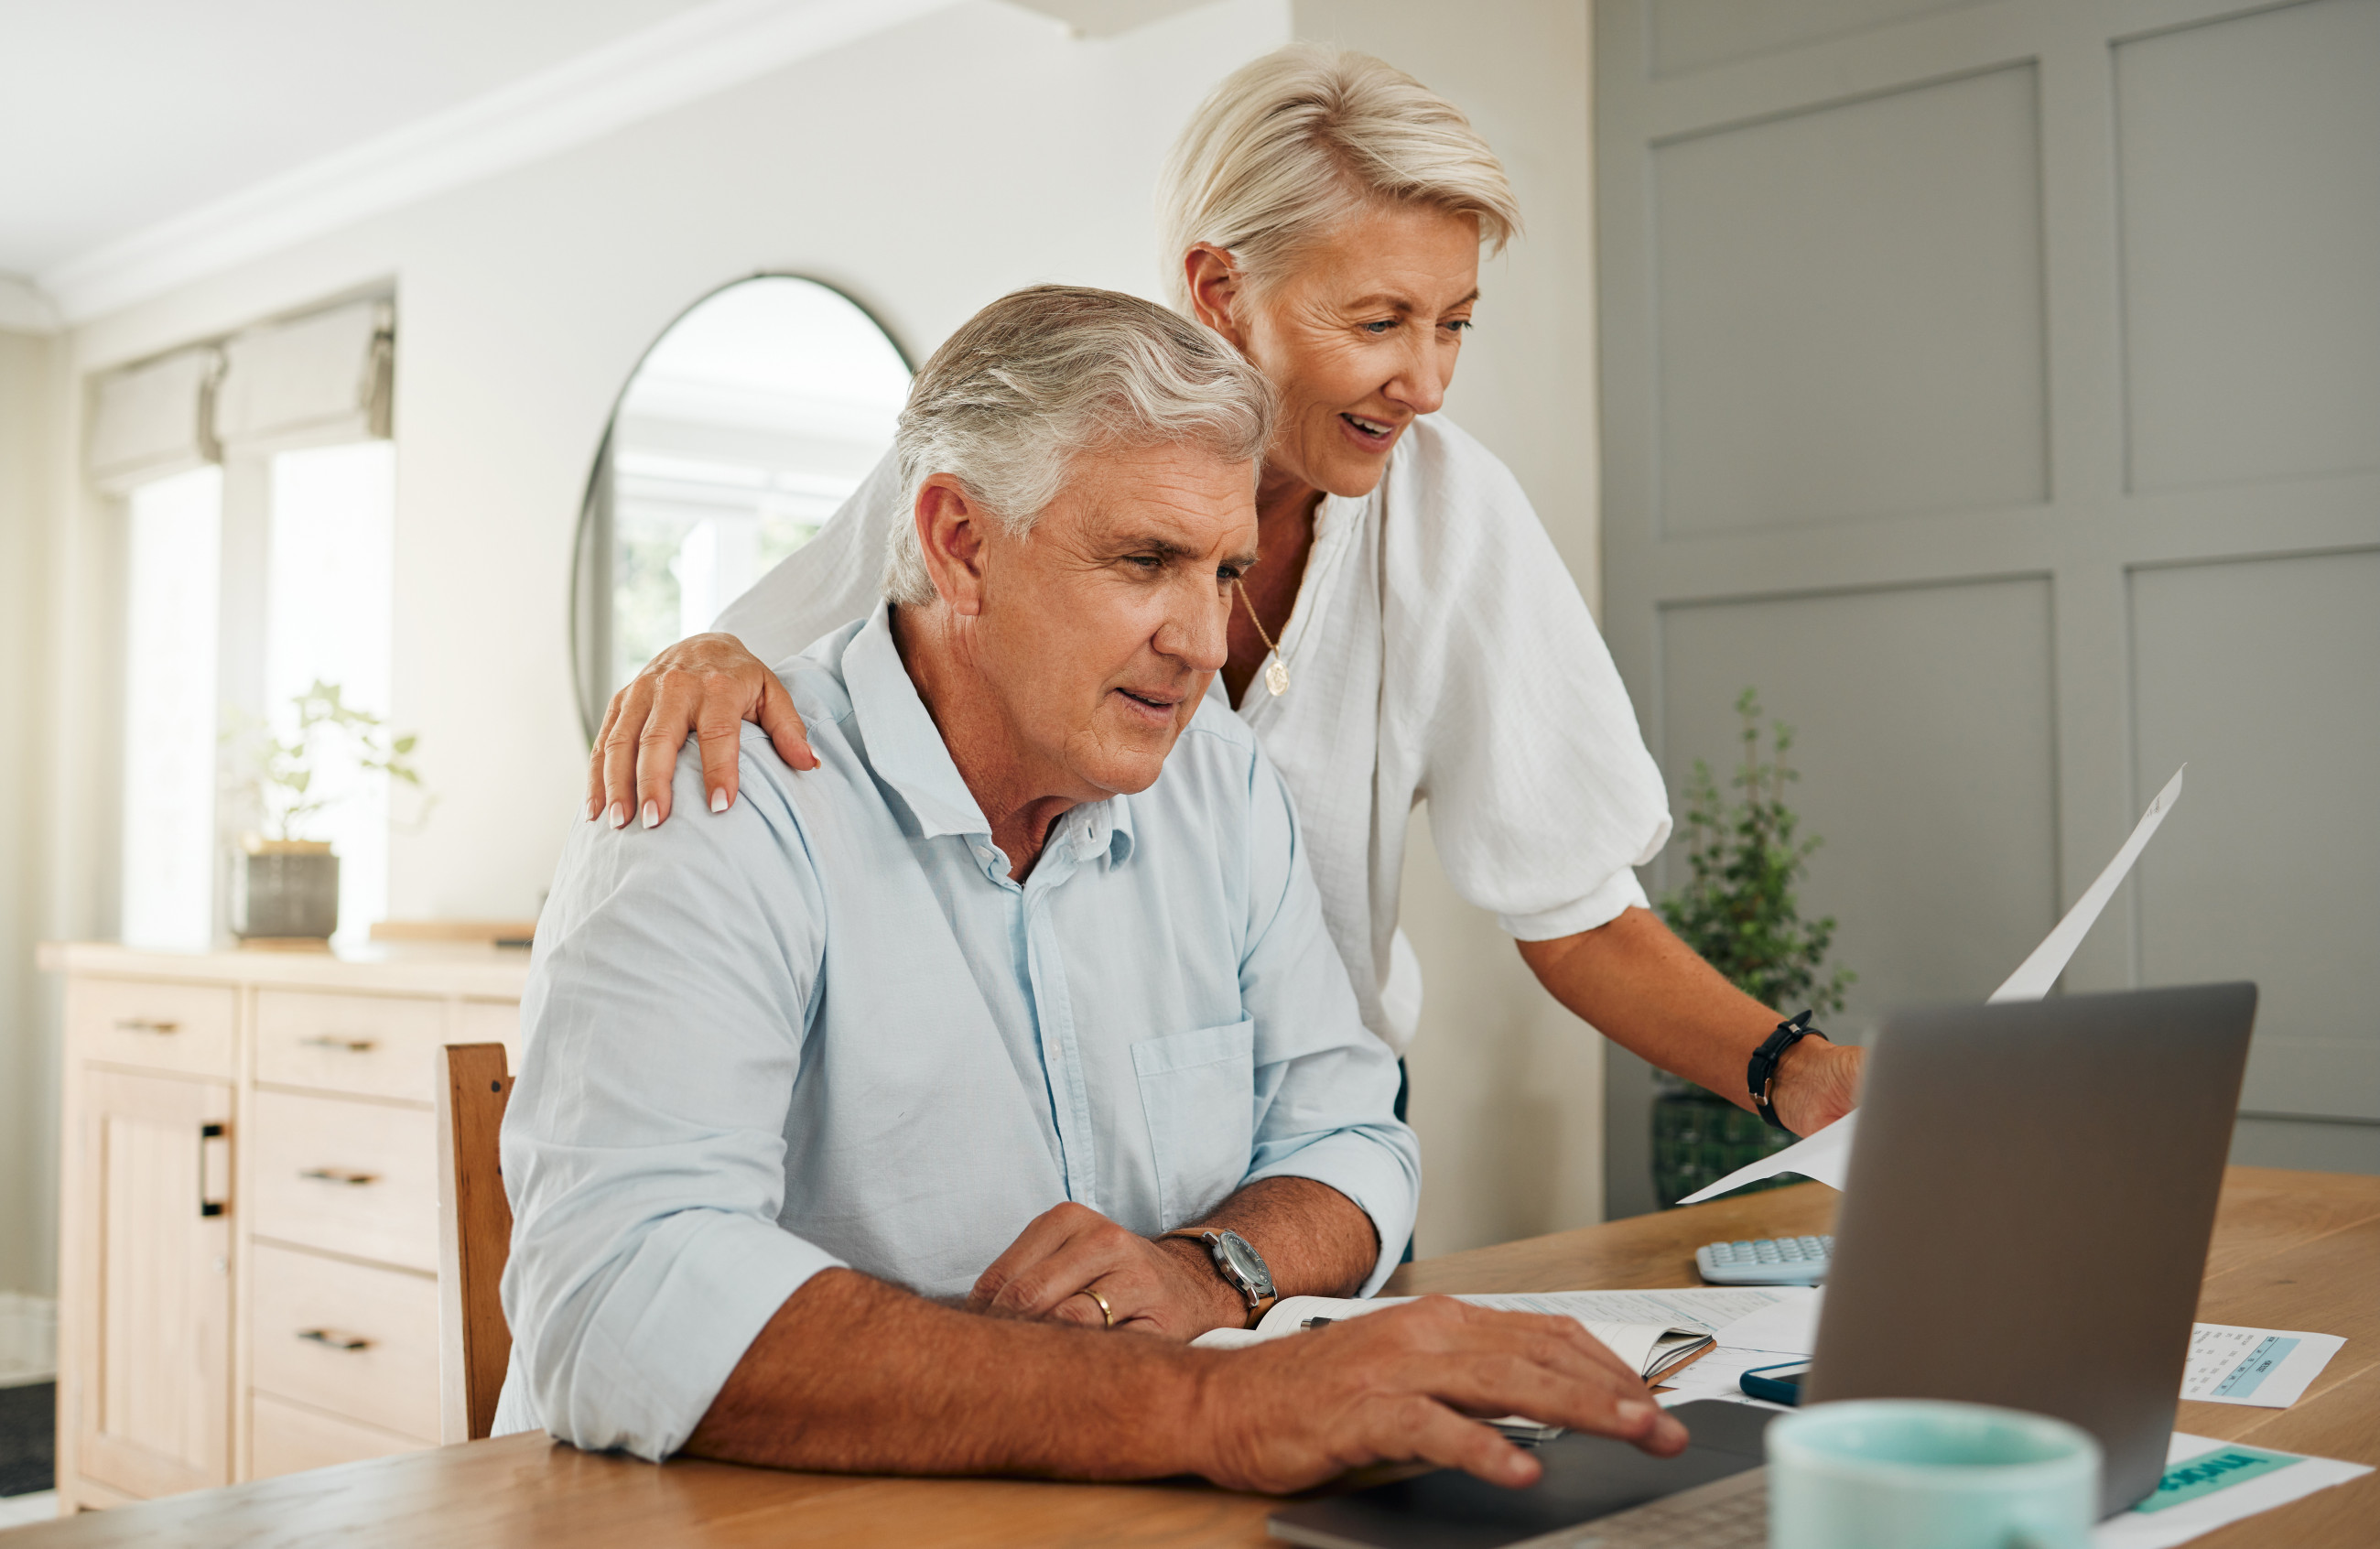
pixel 1216 294
pixel 952 532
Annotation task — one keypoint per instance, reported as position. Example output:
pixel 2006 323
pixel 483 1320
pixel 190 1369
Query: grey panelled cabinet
pixel 248 1281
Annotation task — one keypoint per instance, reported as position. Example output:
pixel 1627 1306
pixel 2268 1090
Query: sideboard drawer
pixel 151 1022
pixel 347 1337
pixel 373 1045
pixel 352 1177
pixel 288 1440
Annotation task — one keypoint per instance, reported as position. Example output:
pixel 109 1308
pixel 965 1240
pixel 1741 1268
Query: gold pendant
pixel 1275 678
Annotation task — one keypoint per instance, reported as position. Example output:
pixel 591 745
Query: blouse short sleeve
pixel 1501 701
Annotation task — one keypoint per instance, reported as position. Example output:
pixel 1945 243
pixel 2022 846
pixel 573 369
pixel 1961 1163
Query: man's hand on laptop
pixel 1396 1387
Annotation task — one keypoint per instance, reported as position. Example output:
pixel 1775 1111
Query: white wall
pixel 1507 1085
pixel 926 170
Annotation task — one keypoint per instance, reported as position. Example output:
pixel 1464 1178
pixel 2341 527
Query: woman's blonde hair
pixel 1291 144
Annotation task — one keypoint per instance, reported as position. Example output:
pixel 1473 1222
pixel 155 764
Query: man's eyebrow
pixel 1155 543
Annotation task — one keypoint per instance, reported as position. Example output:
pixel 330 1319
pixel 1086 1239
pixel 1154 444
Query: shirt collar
pixel 906 750
pixel 904 747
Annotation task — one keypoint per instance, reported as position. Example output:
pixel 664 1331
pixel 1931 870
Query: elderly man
pixel 1029 974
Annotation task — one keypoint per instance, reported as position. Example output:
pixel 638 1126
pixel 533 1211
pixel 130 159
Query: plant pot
pixel 1699 1137
pixel 284 889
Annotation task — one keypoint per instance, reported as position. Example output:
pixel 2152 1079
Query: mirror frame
pixel 590 559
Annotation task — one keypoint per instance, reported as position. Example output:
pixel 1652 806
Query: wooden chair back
pixel 475 1234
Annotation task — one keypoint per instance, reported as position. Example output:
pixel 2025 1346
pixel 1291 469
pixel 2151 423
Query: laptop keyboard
pixel 1730 1513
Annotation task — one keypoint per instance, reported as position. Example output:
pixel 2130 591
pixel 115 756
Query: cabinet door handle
pixel 214 1170
pixel 335 1340
pixel 346 1046
pixel 338 1175
pixel 145 1024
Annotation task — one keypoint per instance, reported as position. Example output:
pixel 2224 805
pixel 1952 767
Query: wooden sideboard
pixel 248 1224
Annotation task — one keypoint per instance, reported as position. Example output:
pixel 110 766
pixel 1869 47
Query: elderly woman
pixel 1410 633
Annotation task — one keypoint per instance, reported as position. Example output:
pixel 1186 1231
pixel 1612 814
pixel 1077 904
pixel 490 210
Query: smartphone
pixel 1778 1385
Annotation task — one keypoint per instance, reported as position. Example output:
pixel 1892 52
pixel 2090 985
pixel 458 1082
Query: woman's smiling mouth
pixel 1369 432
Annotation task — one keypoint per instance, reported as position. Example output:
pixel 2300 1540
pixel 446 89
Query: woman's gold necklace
pixel 1276 674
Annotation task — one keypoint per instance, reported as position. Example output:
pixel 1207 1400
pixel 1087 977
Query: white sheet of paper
pixel 1710 1307
pixel 1826 1156
pixel 2162 1529
pixel 2268 1368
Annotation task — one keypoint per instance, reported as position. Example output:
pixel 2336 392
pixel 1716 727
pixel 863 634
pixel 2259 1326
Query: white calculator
pixel 1772 1260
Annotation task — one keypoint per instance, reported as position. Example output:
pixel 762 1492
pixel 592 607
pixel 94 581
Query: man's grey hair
pixel 1045 374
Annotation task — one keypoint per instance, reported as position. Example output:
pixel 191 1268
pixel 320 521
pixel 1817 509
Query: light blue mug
pixel 1918 1473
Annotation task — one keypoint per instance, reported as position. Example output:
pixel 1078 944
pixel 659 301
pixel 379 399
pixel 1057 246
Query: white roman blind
pixel 320 378
pixel 149 421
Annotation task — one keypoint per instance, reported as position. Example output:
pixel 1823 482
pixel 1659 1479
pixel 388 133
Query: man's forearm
pixel 1316 1241
pixel 854 1375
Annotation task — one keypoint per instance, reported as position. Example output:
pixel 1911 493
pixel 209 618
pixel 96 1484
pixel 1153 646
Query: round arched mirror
pixel 743 428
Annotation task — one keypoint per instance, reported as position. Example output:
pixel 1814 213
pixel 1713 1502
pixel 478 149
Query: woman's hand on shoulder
pixel 705 687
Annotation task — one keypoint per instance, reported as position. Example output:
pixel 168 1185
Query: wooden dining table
pixel 2291 1249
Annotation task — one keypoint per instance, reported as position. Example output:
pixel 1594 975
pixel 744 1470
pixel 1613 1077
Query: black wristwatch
pixel 1761 1074
pixel 1241 1267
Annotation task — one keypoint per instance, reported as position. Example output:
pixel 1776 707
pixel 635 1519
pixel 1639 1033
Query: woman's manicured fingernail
pixel 719 800
pixel 591 809
pixel 619 814
pixel 652 814
pixel 1633 1413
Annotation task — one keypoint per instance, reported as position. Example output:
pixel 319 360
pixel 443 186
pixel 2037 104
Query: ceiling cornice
pixel 23 308
pixel 690 55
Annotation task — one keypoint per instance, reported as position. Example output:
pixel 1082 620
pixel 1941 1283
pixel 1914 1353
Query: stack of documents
pixel 1654 1332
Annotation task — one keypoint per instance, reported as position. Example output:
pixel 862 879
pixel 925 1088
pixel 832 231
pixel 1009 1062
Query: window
pixel 326 612
pixel 171 689
pixel 243 591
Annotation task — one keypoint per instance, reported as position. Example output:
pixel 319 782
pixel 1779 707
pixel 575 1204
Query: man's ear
pixel 1216 292
pixel 953 532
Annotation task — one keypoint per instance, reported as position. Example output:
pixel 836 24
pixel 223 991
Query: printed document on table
pixel 1826 1156
pixel 2266 1367
pixel 2208 1484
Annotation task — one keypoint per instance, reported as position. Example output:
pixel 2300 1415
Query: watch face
pixel 1245 1259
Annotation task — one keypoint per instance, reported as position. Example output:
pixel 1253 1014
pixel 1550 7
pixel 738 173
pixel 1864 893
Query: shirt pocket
pixel 1199 1092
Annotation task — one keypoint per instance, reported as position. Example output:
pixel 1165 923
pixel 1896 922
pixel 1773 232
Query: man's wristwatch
pixel 1761 1074
pixel 1241 1267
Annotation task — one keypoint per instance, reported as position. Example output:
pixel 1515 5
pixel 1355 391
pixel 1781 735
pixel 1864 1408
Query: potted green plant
pixel 1740 910
pixel 284 885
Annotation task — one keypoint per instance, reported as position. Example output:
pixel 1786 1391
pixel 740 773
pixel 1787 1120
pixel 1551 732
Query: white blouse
pixel 1439 651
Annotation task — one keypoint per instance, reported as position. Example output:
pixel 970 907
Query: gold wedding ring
pixel 1106 1312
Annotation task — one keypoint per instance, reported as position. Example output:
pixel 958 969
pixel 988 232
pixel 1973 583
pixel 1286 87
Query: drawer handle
pixel 214 1170
pixel 338 1175
pixel 335 1340
pixel 349 1045
pixel 145 1024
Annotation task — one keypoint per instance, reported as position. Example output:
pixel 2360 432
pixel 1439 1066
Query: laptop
pixel 2025 1224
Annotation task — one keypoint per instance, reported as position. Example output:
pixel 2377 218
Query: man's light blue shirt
pixel 825 1028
